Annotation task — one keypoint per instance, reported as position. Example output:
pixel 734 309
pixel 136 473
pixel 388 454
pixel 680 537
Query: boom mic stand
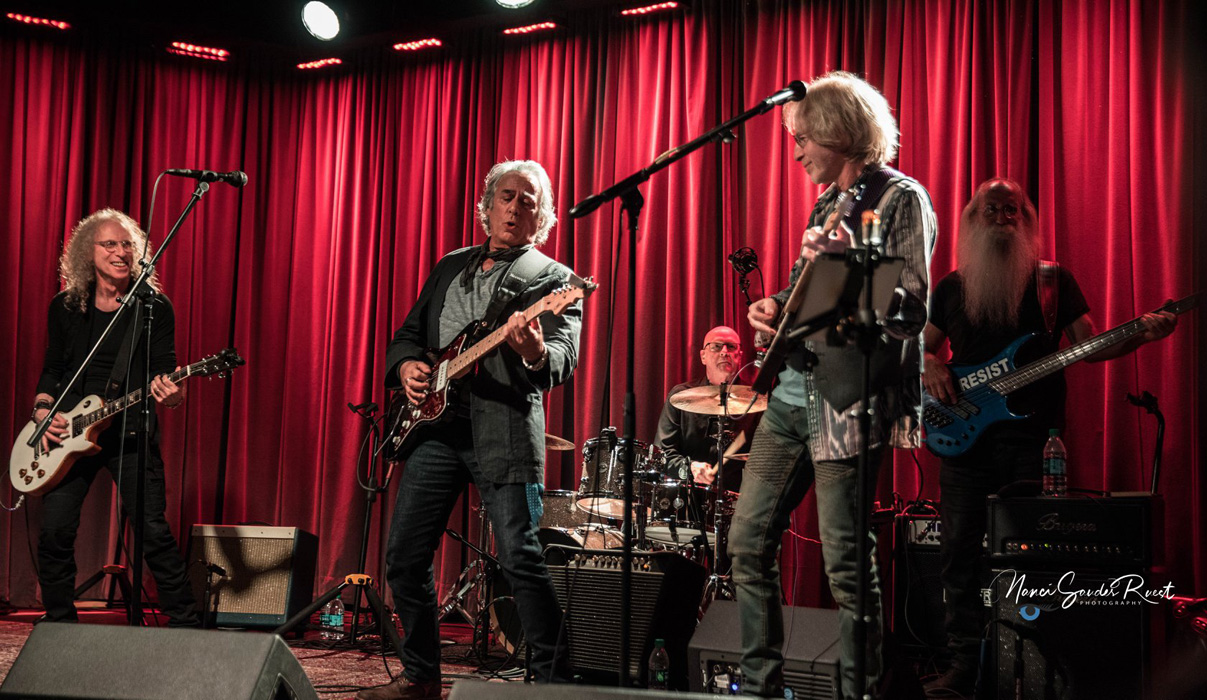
pixel 632 202
pixel 1149 403
pixel 362 582
pixel 142 296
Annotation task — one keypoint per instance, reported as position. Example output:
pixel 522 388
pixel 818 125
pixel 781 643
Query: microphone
pixel 794 92
pixel 235 178
pixel 744 260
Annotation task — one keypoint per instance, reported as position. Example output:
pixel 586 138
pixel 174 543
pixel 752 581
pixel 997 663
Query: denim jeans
pixel 431 482
pixel 778 476
pixel 61 521
pixel 1000 457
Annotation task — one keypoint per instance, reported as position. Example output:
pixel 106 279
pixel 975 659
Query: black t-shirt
pixel 96 381
pixel 972 344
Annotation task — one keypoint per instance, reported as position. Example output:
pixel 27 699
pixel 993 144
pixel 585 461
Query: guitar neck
pixel 116 406
pixel 1076 353
pixel 461 364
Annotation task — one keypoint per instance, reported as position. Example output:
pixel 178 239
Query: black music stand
pixel 843 299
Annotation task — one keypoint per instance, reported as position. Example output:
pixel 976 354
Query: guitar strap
pixel 519 275
pixel 117 376
pixel 1047 286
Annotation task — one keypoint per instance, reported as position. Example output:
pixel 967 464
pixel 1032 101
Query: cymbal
pixel 553 442
pixel 706 400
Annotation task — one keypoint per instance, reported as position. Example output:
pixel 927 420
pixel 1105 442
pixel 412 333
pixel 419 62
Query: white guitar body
pixel 33 471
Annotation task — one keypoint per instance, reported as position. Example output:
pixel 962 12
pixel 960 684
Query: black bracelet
pixel 39 405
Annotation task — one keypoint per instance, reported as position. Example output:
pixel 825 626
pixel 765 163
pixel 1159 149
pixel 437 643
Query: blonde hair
pixel 843 112
pixel 77 268
pixel 546 217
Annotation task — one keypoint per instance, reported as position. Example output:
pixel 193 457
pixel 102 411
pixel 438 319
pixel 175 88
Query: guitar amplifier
pixel 917 591
pixel 269 572
pixel 666 592
pixel 1111 533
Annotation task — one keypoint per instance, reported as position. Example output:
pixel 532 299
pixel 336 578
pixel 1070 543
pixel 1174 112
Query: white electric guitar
pixel 34 470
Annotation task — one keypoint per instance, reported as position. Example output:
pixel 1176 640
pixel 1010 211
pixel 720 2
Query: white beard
pixel 995 271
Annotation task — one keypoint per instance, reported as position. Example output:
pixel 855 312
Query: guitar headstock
pixel 577 289
pixel 218 364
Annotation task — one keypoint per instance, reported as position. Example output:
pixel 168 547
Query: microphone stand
pixel 1149 403
pixel 141 295
pixel 632 201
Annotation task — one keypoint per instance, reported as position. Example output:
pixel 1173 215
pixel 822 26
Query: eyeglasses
pixel 112 245
pixel 718 347
pixel 801 140
pixel 1009 211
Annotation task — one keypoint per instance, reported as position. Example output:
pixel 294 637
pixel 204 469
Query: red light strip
pixel 417 45
pixel 660 7
pixel 321 63
pixel 26 19
pixel 193 50
pixel 530 28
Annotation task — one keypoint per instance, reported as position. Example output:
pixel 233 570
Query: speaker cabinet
pixel 482 690
pixel 918 610
pixel 269 572
pixel 62 660
pixel 665 602
pixel 1097 647
pixel 810 652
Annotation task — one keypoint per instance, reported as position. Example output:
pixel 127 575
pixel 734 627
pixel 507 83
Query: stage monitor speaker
pixel 1097 647
pixel 62 660
pixel 810 652
pixel 918 610
pixel 483 690
pixel 269 572
pixel 666 593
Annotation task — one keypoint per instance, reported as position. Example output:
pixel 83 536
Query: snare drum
pixel 601 490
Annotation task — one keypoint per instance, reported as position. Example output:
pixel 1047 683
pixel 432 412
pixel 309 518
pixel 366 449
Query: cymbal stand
pixel 486 566
pixel 719 584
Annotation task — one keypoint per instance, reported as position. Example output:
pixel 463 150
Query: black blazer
pixel 506 408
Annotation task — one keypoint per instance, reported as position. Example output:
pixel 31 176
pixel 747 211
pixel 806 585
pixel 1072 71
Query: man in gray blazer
pixel 496 435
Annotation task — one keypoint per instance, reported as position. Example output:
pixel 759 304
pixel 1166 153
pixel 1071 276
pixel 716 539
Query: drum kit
pixel 671 511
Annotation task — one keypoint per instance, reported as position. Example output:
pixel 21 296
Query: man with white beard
pixel 993 298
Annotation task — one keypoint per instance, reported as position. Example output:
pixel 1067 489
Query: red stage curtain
pixel 361 178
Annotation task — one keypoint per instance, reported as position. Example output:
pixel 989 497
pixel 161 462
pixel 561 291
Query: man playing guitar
pixel 999 292
pixel 494 436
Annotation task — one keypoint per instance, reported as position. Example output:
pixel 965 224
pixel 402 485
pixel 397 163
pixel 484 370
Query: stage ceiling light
pixel 528 29
pixel 320 20
pixel 513 4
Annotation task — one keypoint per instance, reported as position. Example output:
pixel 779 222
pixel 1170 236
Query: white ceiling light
pixel 320 20
pixel 513 4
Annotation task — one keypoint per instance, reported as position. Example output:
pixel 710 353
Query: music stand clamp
pixel 843 300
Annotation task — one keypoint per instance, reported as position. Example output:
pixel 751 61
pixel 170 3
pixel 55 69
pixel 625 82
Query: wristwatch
pixel 39 405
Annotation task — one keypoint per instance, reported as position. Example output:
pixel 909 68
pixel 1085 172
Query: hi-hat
pixel 706 400
pixel 553 442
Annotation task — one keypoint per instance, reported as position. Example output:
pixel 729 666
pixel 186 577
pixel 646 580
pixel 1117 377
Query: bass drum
pixel 585 536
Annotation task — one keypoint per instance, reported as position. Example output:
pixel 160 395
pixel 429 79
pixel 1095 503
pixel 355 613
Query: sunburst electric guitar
pixel 982 389
pixel 34 470
pixel 405 419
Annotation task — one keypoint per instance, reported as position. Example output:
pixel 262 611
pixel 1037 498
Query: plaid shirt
pixel 909 228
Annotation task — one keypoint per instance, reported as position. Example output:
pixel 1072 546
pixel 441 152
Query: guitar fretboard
pixel 461 364
pixel 84 420
pixel 1076 353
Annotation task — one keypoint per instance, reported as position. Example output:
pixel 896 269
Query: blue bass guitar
pixel 982 389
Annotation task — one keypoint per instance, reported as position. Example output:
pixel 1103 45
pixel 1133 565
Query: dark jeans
pixel 777 478
pixel 61 521
pixel 433 479
pixel 999 458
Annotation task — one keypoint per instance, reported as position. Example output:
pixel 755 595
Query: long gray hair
pixel 76 267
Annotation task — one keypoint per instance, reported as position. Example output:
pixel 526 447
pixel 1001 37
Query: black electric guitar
pixel 982 389
pixel 405 419
pixel 34 470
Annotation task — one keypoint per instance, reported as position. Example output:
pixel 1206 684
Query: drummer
pixel 688 440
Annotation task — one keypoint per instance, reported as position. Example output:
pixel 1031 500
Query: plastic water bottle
pixel 660 667
pixel 332 619
pixel 1056 457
